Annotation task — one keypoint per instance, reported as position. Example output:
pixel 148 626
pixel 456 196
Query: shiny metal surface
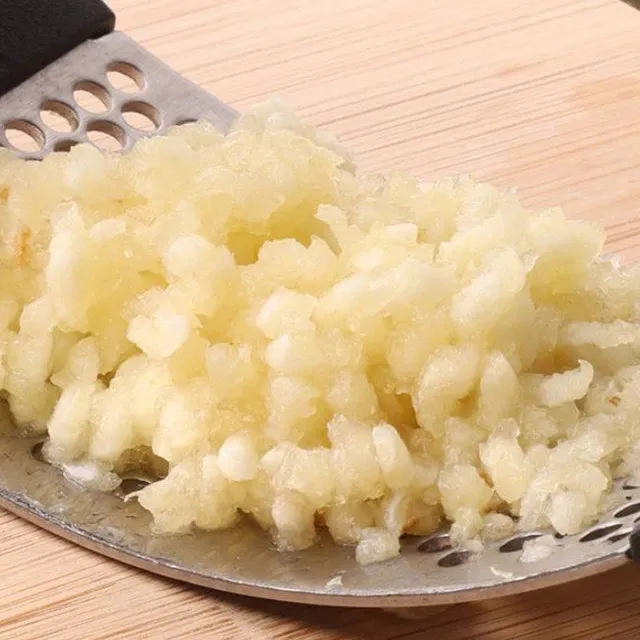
pixel 242 560
pixel 173 98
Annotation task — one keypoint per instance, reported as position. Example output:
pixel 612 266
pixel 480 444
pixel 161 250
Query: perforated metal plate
pixel 242 560
pixel 100 88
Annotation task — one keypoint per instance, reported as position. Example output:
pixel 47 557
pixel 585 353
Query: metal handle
pixel 35 33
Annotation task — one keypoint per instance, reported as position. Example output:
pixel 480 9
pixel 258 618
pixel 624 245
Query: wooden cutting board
pixel 542 95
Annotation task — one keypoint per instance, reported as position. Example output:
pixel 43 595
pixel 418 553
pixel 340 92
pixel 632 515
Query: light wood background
pixel 544 95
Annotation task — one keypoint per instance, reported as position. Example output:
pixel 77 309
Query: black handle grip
pixel 35 33
pixel 634 545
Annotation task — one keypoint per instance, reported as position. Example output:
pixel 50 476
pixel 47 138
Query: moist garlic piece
pixel 506 463
pixel 161 335
pixel 560 388
pixel 290 340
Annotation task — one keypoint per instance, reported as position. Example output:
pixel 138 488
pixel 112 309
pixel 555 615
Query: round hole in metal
pixel 617 537
pixel 517 543
pixel 435 544
pixel 600 532
pixel 141 116
pixel 106 135
pixel 454 559
pixel 91 96
pixel 131 485
pixel 629 510
pixel 125 77
pixel 58 116
pixel 36 452
pixel 24 136
pixel 64 145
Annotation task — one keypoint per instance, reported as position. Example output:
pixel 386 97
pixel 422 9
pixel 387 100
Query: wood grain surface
pixel 541 95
